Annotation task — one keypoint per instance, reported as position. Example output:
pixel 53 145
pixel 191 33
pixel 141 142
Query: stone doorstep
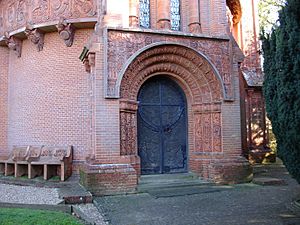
pixel 268 181
pixel 75 194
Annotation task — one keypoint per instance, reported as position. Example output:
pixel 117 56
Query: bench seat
pixel 52 161
pixel 18 155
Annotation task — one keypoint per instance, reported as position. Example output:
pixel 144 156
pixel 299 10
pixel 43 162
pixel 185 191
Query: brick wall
pixel 3 100
pixel 49 95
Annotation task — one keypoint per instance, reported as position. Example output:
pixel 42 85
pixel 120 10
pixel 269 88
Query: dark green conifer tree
pixel 281 50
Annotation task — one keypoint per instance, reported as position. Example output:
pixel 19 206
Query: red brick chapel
pixel 137 87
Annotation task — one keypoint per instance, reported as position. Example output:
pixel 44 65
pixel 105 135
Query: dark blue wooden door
pixel 162 127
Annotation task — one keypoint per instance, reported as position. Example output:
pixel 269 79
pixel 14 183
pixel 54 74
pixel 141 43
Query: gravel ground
pixel 29 195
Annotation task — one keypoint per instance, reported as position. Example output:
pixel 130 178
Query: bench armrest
pixel 69 151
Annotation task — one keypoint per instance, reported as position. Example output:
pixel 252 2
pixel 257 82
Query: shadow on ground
pixel 266 201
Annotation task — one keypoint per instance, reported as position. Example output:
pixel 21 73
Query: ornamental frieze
pixel 121 45
pixel 18 13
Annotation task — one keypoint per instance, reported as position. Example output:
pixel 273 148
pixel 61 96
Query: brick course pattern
pixel 3 100
pixel 49 95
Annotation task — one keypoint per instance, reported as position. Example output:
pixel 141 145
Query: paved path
pixel 219 205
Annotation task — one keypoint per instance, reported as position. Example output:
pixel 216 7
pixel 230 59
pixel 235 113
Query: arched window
pixel 175 14
pixel 145 13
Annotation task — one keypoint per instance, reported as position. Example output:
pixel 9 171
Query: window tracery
pixel 145 13
pixel 175 14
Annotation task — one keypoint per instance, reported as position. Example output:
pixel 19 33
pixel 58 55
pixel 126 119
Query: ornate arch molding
pixel 197 73
pixel 236 10
pixel 194 67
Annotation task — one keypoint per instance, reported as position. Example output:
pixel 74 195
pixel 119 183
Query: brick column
pixel 194 17
pixel 133 13
pixel 163 14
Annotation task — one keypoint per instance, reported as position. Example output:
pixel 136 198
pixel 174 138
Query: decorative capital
pixel 35 36
pixel 195 28
pixel 66 31
pixel 13 43
pixel 164 24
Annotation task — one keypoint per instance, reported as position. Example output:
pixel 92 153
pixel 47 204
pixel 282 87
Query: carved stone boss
pixel 13 43
pixel 36 37
pixel 66 31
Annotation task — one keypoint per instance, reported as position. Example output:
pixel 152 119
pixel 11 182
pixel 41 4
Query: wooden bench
pixel 51 161
pixel 18 156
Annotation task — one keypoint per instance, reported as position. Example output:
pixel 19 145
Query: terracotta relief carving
pixel 66 31
pixel 61 8
pixel 177 60
pixel 40 10
pixel 217 132
pixel 13 43
pixel 36 37
pixel 17 13
pixel 128 127
pixel 198 133
pixel 122 45
pixel 207 128
pixel 83 7
pixel 21 12
pixel 10 15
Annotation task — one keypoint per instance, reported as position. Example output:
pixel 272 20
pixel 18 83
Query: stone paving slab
pixel 242 204
pixel 238 206
pixel 90 214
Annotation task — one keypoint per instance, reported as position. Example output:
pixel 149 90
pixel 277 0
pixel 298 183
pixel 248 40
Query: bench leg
pixel 2 168
pixel 62 172
pixel 45 172
pixel 29 171
pixel 20 170
pixel 9 169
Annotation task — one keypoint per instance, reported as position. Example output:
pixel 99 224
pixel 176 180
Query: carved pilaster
pixel 207 127
pixel 194 18
pixel 128 127
pixel 164 20
pixel 13 43
pixel 66 31
pixel 133 16
pixel 36 37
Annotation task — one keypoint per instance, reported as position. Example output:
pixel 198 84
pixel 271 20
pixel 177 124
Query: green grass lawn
pixel 14 216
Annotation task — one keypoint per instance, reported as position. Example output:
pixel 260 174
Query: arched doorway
pixel 162 126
